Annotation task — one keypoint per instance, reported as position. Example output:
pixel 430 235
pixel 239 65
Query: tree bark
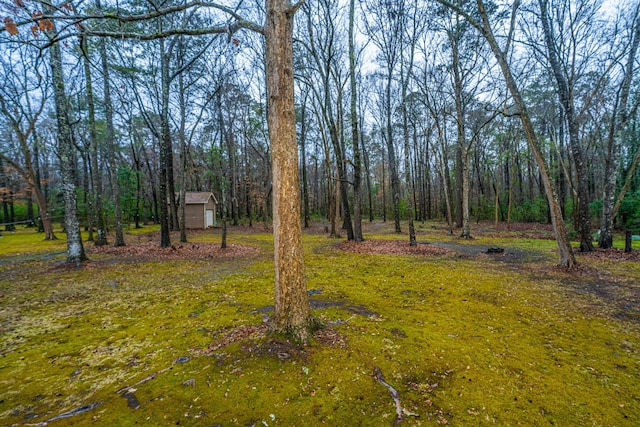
pixel 355 134
pixel 303 160
pixel 466 226
pixel 182 172
pixel 391 154
pixel 75 249
pixel 367 171
pixel 292 311
pixel 165 198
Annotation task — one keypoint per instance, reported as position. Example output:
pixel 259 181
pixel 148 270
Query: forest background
pixel 154 110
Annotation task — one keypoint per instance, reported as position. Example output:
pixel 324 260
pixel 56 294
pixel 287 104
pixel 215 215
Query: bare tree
pixel 75 249
pixel 566 93
pixel 619 122
pixel 19 84
pixel 384 26
pixel 483 25
pixel 355 131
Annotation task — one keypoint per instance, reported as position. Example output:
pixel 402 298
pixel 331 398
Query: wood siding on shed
pixel 195 214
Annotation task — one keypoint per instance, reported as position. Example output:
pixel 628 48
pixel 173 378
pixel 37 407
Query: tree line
pixel 404 110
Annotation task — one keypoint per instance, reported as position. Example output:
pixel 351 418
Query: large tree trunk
pixel 75 249
pixel 292 311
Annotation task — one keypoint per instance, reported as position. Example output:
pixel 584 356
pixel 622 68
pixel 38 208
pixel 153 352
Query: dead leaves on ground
pixel 197 250
pixel 391 247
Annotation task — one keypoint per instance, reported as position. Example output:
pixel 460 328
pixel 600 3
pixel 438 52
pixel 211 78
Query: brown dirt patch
pixel 255 340
pixel 197 250
pixel 225 338
pixel 391 247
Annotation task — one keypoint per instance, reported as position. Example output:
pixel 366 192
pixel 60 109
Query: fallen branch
pixel 377 374
pixel 339 321
pixel 79 410
pixel 142 381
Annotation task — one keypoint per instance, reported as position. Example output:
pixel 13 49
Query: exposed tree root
pixel 377 374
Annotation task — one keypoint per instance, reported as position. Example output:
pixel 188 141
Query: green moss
pixel 471 340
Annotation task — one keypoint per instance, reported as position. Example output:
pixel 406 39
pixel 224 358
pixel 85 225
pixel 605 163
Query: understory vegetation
pixel 465 337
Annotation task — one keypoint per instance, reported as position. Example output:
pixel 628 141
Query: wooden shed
pixel 200 209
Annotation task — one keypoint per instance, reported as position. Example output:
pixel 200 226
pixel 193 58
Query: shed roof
pixel 196 198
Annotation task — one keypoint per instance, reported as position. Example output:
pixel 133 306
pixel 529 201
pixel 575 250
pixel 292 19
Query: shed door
pixel 209 218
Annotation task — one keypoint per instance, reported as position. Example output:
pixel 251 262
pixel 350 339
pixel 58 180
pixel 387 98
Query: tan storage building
pixel 200 210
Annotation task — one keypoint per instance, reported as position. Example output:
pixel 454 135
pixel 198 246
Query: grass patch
pixel 465 338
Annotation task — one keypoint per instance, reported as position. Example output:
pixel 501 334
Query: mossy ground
pixel 465 338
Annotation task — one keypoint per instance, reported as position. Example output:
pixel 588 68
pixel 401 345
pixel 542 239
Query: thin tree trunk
pixel 365 157
pixel 33 171
pixel 627 182
pixel 564 93
pixel 233 170
pixel 165 157
pixel 355 135
pixel 404 81
pixel 136 161
pixel 619 121
pixel 101 225
pixel 496 208
pixel 223 214
pixel 391 154
pixel 110 144
pixel 466 226
pixel 384 189
pixel 303 160
pixel 182 173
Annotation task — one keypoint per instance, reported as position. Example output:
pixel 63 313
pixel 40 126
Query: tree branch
pixel 78 18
